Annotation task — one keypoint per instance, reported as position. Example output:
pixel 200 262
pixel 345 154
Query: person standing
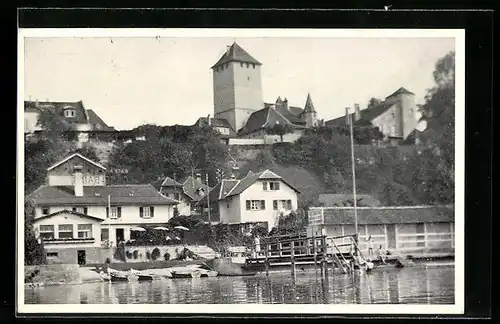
pixel 369 242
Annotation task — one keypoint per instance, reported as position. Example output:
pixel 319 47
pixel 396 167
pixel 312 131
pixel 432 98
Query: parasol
pixel 161 228
pixel 182 228
pixel 138 229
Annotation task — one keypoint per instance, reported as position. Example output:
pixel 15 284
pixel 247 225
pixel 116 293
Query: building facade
pixel 76 194
pixel 257 198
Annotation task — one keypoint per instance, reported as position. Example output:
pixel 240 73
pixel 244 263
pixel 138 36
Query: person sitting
pixel 381 254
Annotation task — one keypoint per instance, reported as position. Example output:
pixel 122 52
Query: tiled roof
pixel 339 200
pixel 73 156
pixel 236 54
pixel 96 121
pixel 390 215
pixel 399 92
pixel 216 122
pixel 250 179
pixel 58 108
pixel 67 211
pixel 169 182
pixel 98 195
pixel 191 185
pixel 367 115
pixel 219 191
pixel 266 117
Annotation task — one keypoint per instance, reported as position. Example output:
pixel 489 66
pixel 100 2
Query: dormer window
pixel 69 112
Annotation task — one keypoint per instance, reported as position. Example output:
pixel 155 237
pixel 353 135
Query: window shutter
pixel 264 185
pixel 248 204
pixel 119 211
pixel 276 186
pixel 275 204
pixel 107 212
pixel 289 204
pixel 141 212
pixel 85 210
pixel 263 204
pixel 152 211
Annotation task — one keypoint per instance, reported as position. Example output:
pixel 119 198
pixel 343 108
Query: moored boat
pixel 186 274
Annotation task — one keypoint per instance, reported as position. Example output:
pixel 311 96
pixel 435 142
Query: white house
pixel 76 194
pixel 257 198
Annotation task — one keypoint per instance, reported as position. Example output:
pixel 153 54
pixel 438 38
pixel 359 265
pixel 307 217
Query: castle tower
pixel 310 113
pixel 237 86
pixel 404 116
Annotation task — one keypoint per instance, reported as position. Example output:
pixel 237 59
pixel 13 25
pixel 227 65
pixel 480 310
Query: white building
pixel 257 198
pixel 77 199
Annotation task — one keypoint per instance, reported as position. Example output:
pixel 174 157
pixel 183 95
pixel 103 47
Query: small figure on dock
pixel 381 254
pixel 369 242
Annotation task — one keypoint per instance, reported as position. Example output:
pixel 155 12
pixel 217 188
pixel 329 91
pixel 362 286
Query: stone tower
pixel 310 113
pixel 237 86
pixel 404 115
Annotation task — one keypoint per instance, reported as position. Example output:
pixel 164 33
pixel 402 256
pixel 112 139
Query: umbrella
pixel 139 229
pixel 168 238
pixel 177 238
pixel 182 228
pixel 161 228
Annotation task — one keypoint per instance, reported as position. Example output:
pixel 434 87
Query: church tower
pixel 310 113
pixel 237 86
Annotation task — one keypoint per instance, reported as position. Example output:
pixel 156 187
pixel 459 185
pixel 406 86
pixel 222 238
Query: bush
pixel 128 254
pixel 166 256
pixel 148 255
pixel 155 254
pixel 136 254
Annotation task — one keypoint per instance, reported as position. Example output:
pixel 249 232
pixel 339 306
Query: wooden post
pixel 315 252
pixel 267 259
pixel 323 259
pixel 292 258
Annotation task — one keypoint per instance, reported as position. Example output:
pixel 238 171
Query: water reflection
pixel 419 285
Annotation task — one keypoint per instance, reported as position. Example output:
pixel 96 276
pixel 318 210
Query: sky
pixel 129 81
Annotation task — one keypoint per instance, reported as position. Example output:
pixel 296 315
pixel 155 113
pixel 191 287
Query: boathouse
pixel 403 229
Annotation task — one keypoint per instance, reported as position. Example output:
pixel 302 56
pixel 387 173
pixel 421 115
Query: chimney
pixel 285 104
pixel 198 176
pixel 77 171
pixel 227 49
pixel 209 121
pixel 357 112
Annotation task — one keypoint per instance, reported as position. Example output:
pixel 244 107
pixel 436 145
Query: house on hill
pixel 79 217
pixel 76 118
pixel 258 198
pixel 395 117
pixel 187 192
pixel 239 108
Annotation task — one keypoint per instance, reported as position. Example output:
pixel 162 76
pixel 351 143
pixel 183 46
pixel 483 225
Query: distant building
pixel 257 198
pixel 188 192
pixel 77 118
pixel 395 116
pixel 75 219
pixel 239 108
pixel 344 200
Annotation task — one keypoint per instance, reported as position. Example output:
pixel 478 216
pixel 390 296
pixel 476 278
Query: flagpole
pixel 353 175
pixel 109 220
pixel 208 200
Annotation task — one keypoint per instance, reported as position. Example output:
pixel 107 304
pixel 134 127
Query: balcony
pixel 72 240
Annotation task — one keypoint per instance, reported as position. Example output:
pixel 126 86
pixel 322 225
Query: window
pixel 227 205
pixel 273 186
pixel 66 231
pixel 104 234
pixel 146 212
pixel 46 231
pixel 253 65
pixel 81 210
pixel 52 255
pixel 177 196
pixel 116 212
pixel 45 210
pixel 256 204
pixel 282 204
pixel 84 230
pixel 69 112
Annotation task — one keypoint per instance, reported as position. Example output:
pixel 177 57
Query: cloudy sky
pixel 167 81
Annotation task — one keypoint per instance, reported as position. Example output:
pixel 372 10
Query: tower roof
pixel 400 91
pixel 309 107
pixel 236 54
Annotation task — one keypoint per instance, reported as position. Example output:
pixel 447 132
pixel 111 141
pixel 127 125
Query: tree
pixel 279 129
pixel 34 252
pixel 373 102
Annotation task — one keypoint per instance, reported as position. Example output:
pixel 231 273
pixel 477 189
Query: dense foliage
pixel 33 250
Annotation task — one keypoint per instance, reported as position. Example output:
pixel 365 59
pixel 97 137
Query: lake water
pixel 423 284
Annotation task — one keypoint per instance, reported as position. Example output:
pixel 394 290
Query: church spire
pixel 309 107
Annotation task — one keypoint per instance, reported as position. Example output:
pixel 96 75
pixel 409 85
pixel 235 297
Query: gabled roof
pixel 67 211
pixel 191 185
pixel 236 54
pixel 216 122
pixel 98 195
pixel 97 122
pixel 266 117
pixel 390 215
pixel 169 182
pixel 58 109
pixel 219 191
pixel 76 155
pixel 340 200
pixel 250 179
pixel 400 91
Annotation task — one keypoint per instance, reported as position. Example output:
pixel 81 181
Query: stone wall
pixel 53 274
pixel 139 253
